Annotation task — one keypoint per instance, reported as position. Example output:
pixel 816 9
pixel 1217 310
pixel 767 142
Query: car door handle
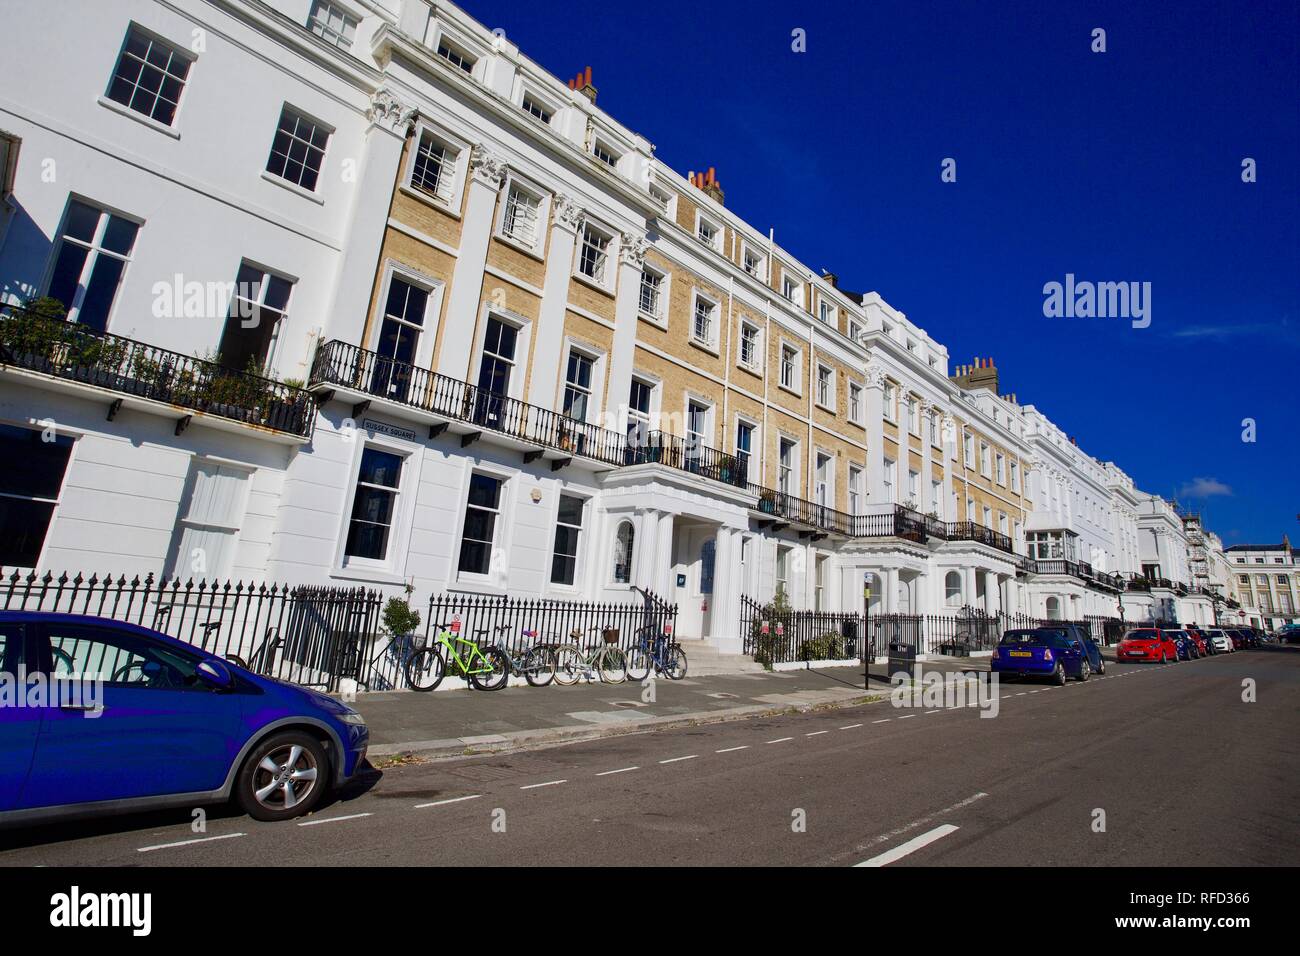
pixel 81 707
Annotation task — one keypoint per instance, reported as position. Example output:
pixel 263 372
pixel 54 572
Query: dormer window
pixel 753 263
pixel 456 56
pixel 707 233
pixel 604 154
pixel 537 108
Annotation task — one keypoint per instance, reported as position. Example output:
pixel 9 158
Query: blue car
pixel 1043 652
pixel 130 719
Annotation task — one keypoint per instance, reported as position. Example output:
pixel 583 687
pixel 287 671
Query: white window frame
pixel 579 564
pixel 449 199
pixel 523 328
pixel 94 250
pixel 796 286
pixel 755 443
pixel 611 565
pixel 545 103
pixel 659 317
pixel 914 415
pixel 666 195
pixel 825 393
pixel 857 407
pixel 433 308
pixel 827 312
pixel 604 282
pixel 713 317
pixel 796 365
pixel 394 562
pixel 459 48
pixel 702 220
pixel 790 471
pixel 968 451
pixel 178 50
pixel 597 387
pixel 856 489
pixel 889 480
pixel 756 364
pixel 328 33
pixel 891 401
pixel 747 249
pixel 1001 465
pixel 599 145
pixel 280 179
pixel 501 529
pixel 514 183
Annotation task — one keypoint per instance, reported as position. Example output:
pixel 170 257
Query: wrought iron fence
pixel 779 635
pixel 515 624
pixel 68 350
pixel 306 635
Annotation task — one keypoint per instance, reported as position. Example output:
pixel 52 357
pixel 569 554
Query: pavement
pixel 1151 765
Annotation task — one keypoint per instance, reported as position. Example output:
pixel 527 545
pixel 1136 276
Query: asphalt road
pixel 1185 772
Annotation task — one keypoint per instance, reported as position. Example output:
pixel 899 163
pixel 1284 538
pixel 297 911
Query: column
pixel 926 496
pixel 486 172
pixel 968 576
pixel 631 258
pixel 644 568
pixel 548 337
pixel 875 399
pixel 727 588
pixel 890 597
pixel 390 121
pixel 992 594
pixel 949 449
pixel 667 588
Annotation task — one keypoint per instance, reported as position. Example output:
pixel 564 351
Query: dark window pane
pixel 23 525
pixel 82 221
pixel 119 235
pixel 479 525
pixel 367 541
pixel 562 569
pixel 380 468
pixel 67 273
pixel 32 466
pixel 373 505
pixel 100 292
pixel 475 557
pixel 570 510
pixel 484 492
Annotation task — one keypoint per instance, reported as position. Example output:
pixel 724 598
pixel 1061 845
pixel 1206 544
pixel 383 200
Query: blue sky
pixel 1116 166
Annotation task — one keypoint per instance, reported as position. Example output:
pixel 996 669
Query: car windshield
pixel 1142 635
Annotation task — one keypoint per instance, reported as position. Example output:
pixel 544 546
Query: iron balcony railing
pixel 780 504
pixel 348 366
pixel 972 531
pixel 67 350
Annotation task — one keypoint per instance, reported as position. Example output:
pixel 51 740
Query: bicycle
pixel 536 664
pixel 665 657
pixel 572 662
pixel 259 661
pixel 487 668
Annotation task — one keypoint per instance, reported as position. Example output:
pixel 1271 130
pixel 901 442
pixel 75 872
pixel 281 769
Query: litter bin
pixel 902 660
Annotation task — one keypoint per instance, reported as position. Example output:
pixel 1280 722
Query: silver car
pixel 1221 642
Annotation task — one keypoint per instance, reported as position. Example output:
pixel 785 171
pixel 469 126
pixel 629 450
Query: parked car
pixel 1288 634
pixel 1186 646
pixel 1084 636
pixel 1041 652
pixel 1198 640
pixel 146 721
pixel 1220 641
pixel 1147 644
pixel 1243 638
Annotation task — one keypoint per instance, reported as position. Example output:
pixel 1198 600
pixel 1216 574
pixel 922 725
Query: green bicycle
pixel 485 666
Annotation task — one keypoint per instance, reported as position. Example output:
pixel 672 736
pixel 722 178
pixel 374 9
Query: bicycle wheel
pixel 424 669
pixel 539 666
pixel 570 664
pixel 494 668
pixel 675 667
pixel 612 665
pixel 638 663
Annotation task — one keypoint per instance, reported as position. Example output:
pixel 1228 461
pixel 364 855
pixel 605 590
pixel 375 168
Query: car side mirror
pixel 215 674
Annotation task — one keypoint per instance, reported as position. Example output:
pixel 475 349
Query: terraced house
pixel 478 339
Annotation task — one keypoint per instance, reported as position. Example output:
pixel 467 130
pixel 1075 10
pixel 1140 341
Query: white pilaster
pixel 486 172
pixel 549 342
pixel 631 255
pixel 875 398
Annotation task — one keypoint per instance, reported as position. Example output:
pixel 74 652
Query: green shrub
pixel 827 647
pixel 399 617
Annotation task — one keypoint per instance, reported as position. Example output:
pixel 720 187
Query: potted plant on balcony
pixel 767 501
pixel 31 337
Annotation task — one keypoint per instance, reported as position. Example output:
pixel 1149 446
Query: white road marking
pixel 676 759
pixel 850 727
pixel 931 713
pixel 915 824
pixel 885 721
pixel 780 740
pixel 350 816
pixel 439 803
pixel 549 783
pixel 168 846
pixel 911 846
pixel 908 717
pixel 624 770
pixel 817 733
pixel 728 750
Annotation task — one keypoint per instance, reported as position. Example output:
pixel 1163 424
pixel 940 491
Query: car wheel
pixel 1164 656
pixel 1058 675
pixel 284 777
pixel 1085 670
pixel 1101 667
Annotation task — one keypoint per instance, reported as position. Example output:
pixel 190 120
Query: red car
pixel 1199 640
pixel 1147 644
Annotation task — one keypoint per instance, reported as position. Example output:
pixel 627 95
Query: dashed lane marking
pixel 169 846
pixel 780 740
pixel 549 783
pixel 350 816
pixel 607 773
pixel 911 846
pixel 850 727
pixel 441 803
pixel 727 750
pixel 678 759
